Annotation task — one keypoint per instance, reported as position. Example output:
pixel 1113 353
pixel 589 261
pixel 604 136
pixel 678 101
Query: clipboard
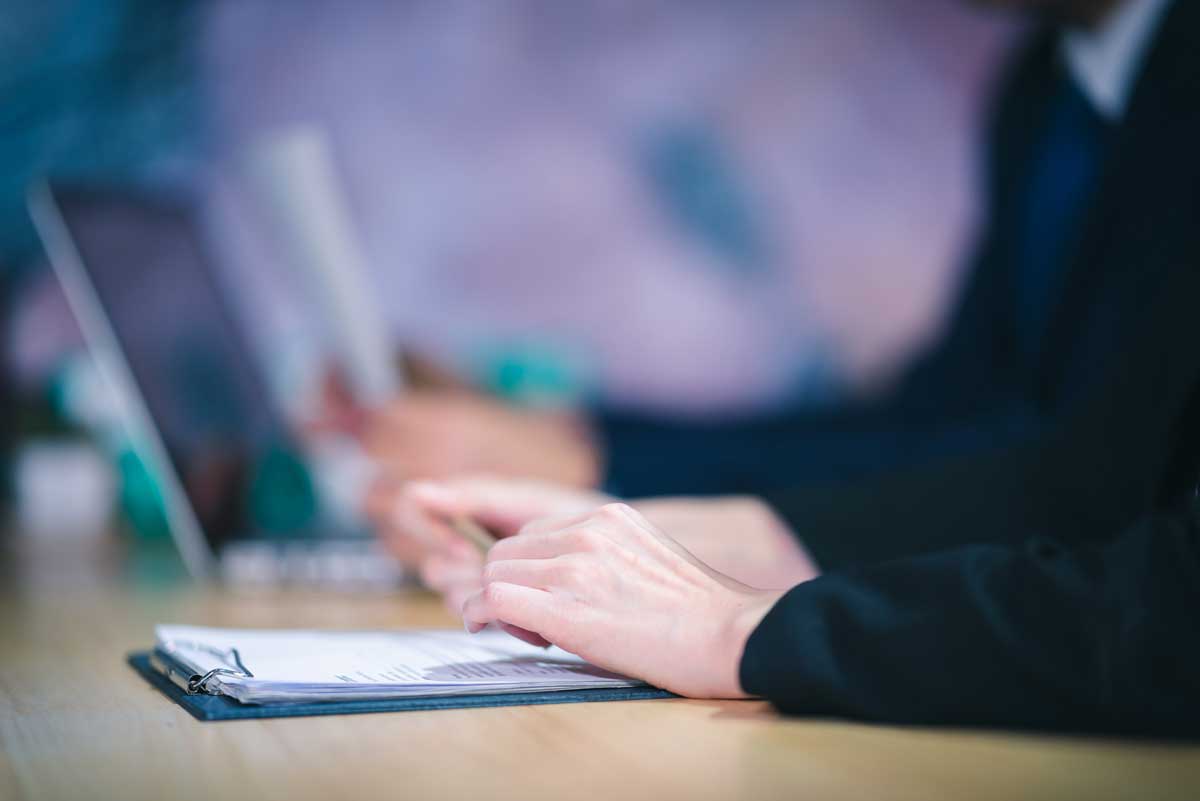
pixel 204 707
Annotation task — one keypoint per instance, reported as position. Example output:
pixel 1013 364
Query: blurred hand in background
pixel 440 427
pixel 446 433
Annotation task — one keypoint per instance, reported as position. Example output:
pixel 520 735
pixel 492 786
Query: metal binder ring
pixel 199 684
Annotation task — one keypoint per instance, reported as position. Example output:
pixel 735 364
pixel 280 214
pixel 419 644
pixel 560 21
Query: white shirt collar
pixel 1106 61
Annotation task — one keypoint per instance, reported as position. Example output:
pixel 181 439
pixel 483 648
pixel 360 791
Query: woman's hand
pixel 738 536
pixel 612 588
pixel 413 520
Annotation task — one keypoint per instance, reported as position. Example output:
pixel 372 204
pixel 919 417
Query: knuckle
pixel 494 595
pixel 573 570
pixel 613 511
pixel 629 558
pixel 586 540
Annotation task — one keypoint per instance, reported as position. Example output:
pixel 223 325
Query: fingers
pixel 545 525
pixel 436 499
pixel 479 500
pixel 561 572
pixel 455 581
pixel 503 505
pixel 441 572
pixel 445 562
pixel 533 638
pixel 589 533
pixel 414 521
pixel 456 596
pixel 401 517
pixel 524 607
pixel 580 538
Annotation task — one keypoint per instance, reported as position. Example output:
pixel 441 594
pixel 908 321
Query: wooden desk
pixel 77 723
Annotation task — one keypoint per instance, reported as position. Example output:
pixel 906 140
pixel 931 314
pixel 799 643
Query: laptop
pixel 237 485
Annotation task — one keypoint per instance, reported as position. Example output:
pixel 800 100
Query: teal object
pixel 515 376
pixel 93 90
pixel 141 498
pixel 153 565
pixel 283 499
pixel 533 371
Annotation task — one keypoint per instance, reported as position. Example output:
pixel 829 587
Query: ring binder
pixel 196 683
pixel 303 667
pixel 199 684
pixel 208 707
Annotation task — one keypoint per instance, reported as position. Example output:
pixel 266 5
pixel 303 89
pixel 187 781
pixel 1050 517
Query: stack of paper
pixel 263 666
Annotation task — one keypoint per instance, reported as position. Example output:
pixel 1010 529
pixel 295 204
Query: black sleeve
pixel 647 456
pixel 1068 481
pixel 1099 639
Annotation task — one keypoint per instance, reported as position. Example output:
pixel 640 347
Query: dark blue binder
pixel 218 707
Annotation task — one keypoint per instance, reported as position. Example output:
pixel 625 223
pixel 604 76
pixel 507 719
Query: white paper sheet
pixel 289 665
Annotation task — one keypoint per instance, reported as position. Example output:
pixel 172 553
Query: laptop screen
pixel 233 453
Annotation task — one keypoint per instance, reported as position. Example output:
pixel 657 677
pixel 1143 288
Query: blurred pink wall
pixel 489 150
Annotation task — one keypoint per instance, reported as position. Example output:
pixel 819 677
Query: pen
pixel 473 533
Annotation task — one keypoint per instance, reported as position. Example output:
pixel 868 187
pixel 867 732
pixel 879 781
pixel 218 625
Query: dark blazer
pixel 1102 638
pixel 1099 446
pixel 1076 608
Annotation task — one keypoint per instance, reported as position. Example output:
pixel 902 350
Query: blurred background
pixel 697 210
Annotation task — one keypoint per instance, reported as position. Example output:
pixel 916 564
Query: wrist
pixel 747 614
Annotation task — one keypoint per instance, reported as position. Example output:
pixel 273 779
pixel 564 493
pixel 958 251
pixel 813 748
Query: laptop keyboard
pixel 353 565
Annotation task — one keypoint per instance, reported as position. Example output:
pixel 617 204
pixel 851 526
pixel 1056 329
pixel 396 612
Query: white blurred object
pixel 353 566
pixel 293 176
pixel 90 401
pixel 65 490
pixel 344 473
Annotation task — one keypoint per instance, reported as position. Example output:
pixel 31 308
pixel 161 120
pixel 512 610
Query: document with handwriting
pixel 273 666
